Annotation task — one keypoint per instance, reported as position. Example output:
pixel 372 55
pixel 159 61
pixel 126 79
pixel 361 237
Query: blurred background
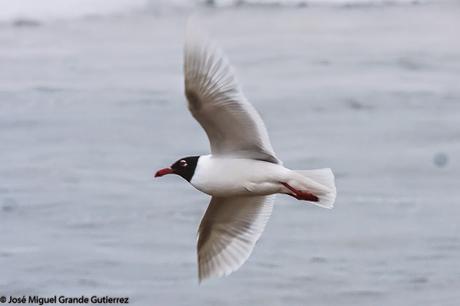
pixel 91 104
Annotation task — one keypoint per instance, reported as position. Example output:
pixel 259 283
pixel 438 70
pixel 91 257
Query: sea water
pixel 91 106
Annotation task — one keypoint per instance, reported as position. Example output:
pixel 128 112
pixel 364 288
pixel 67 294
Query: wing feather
pixel 228 232
pixel 216 101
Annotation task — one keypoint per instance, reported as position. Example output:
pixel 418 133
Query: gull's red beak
pixel 164 172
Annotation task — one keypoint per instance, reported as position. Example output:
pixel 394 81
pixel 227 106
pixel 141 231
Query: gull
pixel 242 173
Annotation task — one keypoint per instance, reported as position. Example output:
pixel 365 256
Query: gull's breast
pixel 235 177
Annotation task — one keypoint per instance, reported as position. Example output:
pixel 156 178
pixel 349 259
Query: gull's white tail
pixel 320 182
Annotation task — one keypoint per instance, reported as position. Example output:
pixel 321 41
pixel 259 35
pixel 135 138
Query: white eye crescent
pixel 183 163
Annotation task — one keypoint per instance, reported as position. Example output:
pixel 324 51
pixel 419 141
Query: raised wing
pixel 216 101
pixel 228 232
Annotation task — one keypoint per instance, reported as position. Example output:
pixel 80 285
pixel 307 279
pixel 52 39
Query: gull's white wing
pixel 228 232
pixel 216 101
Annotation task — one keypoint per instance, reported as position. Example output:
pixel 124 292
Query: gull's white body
pixel 243 172
pixel 226 177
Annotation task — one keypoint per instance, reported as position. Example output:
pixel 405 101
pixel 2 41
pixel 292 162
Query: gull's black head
pixel 184 167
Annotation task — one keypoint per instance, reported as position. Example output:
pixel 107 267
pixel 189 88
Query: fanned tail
pixel 321 182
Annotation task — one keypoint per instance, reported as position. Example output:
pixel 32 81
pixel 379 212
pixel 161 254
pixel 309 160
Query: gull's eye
pixel 183 163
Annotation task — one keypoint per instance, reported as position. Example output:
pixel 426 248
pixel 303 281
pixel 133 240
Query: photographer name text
pixel 62 299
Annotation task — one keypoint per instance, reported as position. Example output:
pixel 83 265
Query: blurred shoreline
pixel 32 13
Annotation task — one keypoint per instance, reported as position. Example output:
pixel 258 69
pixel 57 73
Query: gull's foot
pixel 301 195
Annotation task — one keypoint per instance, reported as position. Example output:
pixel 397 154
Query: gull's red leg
pixel 301 195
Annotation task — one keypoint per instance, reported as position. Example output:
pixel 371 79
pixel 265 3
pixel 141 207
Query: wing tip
pixel 206 272
pixel 203 277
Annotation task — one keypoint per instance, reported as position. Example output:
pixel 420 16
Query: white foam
pixel 68 9
pixel 227 3
pixel 64 9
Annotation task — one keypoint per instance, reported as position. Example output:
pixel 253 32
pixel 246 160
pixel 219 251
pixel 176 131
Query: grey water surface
pixel 91 107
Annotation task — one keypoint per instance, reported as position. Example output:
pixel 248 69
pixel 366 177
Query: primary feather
pixel 216 101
